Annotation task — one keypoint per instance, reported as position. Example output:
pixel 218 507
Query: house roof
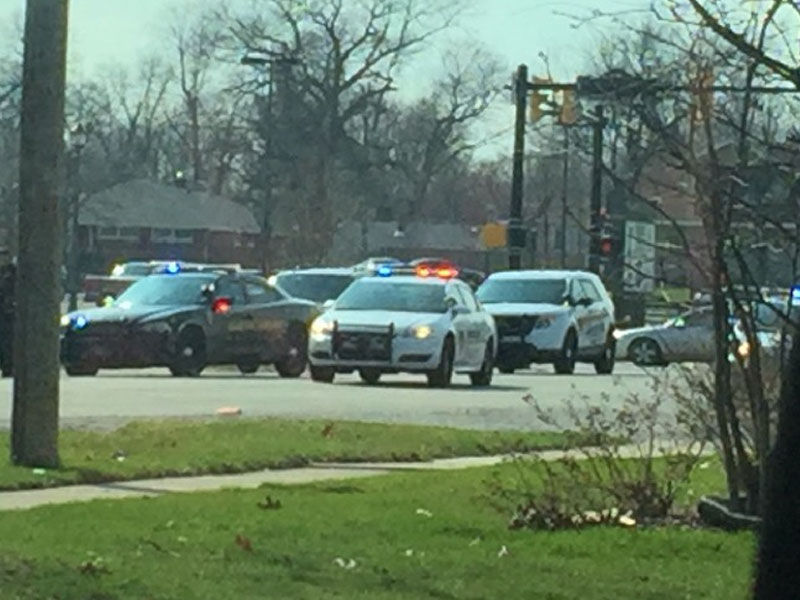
pixel 145 203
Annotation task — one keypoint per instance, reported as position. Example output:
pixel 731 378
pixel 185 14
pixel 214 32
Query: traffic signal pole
pixel 516 233
pixel 596 197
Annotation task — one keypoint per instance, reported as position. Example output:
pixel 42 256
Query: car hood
pixel 401 320
pixel 134 314
pixel 511 309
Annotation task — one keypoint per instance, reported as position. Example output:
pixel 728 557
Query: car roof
pixel 542 274
pixel 318 271
pixel 408 279
pixel 190 275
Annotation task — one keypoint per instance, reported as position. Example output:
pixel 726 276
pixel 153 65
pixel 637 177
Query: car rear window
pixel 314 287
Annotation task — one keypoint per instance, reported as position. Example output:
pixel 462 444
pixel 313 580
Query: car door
pixel 461 324
pixel 689 337
pixel 597 315
pixel 236 323
pixel 479 330
pixel 269 326
pixel 581 313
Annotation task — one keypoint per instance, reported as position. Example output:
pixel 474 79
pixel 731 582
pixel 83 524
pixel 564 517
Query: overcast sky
pixel 104 32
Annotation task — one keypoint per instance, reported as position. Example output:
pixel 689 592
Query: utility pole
pixel 516 233
pixel 34 426
pixel 564 196
pixel 596 198
pixel 268 60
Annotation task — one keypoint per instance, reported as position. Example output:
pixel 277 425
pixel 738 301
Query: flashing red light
pixel 221 306
pixel 606 246
pixel 446 272
pixel 423 271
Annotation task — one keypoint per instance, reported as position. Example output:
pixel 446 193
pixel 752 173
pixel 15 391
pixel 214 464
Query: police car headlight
pixel 321 328
pixel 420 332
pixel 65 320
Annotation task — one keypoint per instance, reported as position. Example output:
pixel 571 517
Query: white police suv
pixel 557 317
pixel 410 321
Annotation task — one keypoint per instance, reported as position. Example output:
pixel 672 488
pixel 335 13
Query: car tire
pixel 506 370
pixel 483 378
pixel 645 352
pixel 442 375
pixel 565 364
pixel 322 374
pixel 81 370
pixel 190 353
pixel 294 364
pixel 604 364
pixel 370 376
pixel 248 367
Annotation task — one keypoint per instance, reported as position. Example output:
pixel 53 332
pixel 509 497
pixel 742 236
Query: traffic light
pixel 606 246
pixel 569 108
pixel 537 99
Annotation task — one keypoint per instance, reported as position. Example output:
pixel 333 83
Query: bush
pixel 642 461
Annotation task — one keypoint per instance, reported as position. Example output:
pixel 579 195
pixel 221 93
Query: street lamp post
pixel 269 60
pixel 78 139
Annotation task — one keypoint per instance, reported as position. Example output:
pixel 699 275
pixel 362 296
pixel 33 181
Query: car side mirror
pixel 585 302
pixel 460 310
pixel 450 303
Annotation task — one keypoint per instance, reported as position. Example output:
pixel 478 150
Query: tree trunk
pixel 34 430
pixel 777 576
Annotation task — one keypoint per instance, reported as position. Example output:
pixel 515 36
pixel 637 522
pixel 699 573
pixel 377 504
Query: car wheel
pixel 483 378
pixel 190 353
pixel 248 367
pixel 81 370
pixel 294 363
pixel 644 351
pixel 565 365
pixel 369 376
pixel 442 375
pixel 322 374
pixel 604 364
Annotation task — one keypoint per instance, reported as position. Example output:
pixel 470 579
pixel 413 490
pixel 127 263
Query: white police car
pixel 394 322
pixel 557 317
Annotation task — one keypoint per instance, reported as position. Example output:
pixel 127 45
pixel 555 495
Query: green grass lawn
pixel 409 536
pixel 179 447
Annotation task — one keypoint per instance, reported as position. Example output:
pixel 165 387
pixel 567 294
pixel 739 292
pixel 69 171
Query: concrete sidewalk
pixel 24 499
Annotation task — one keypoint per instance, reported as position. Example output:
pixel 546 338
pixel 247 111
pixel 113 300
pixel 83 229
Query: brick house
pixel 147 220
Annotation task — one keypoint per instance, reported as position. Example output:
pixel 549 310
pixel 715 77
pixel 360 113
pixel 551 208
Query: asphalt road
pixel 112 397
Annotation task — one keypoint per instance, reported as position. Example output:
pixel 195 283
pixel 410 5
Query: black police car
pixel 186 320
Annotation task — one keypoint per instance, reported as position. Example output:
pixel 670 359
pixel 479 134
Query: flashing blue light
pixel 79 322
pixel 173 268
pixel 796 294
pixel 384 271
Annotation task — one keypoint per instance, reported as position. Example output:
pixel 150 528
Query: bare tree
pixel 345 57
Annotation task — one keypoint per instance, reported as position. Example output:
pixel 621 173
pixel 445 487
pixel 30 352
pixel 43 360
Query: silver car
pixel 686 338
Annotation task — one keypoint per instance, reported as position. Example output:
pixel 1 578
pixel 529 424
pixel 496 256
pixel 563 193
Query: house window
pixel 172 236
pixel 117 233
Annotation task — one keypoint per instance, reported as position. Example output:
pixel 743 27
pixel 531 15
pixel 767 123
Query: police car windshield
pixel 523 291
pixel 395 296
pixel 314 287
pixel 165 290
